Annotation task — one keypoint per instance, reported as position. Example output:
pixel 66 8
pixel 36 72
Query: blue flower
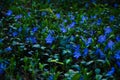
pixel 43 13
pixel 84 18
pixel 118 63
pixel 31 39
pixel 107 30
pixel 112 18
pixel 63 29
pixel 110 44
pixel 2 68
pixel 101 38
pixel 117 55
pixel 51 77
pixel 100 53
pixel 93 1
pixel 18 16
pixel 49 39
pixel 116 5
pixel 9 13
pixel 1 40
pixel 111 72
pixel 118 38
pixel 8 49
pixel 76 54
pixel 14 34
pixel 88 42
pixel 34 29
pixel 19 29
pixel 99 21
pixel 85 52
pixel 58 15
pixel 86 4
pixel 72 25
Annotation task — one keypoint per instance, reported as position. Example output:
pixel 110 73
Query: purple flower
pixel 101 38
pixel 110 44
pixel 49 39
pixel 111 72
pixel 9 13
pixel 107 30
pixel 112 18
pixel 118 38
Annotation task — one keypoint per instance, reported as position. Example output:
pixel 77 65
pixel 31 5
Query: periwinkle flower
pixel 110 44
pixel 58 15
pixel 101 38
pixel 118 63
pixel 19 29
pixel 118 38
pixel 18 16
pixel 99 21
pixel 49 39
pixel 8 49
pixel 34 29
pixel 107 30
pixel 43 13
pixel 14 34
pixel 9 13
pixel 100 53
pixel 31 39
pixel 86 4
pixel 116 5
pixel 111 72
pixel 76 54
pixel 72 17
pixel 84 18
pixel 63 29
pixel 88 42
pixel 1 40
pixel 29 13
pixel 85 52
pixel 51 77
pixel 72 25
pixel 2 68
pixel 93 1
pixel 117 55
pixel 112 18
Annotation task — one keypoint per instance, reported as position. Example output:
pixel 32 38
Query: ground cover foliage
pixel 59 40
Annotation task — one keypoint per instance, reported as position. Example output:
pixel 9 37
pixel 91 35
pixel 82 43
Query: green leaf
pixel 76 76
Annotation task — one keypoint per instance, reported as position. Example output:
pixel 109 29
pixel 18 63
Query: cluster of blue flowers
pixel 63 36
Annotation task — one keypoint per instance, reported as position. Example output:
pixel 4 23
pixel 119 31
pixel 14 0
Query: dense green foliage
pixel 60 40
